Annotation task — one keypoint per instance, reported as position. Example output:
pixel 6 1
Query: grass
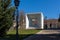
pixel 11 35
pixel 29 31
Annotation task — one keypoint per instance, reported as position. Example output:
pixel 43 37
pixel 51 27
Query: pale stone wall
pixel 34 16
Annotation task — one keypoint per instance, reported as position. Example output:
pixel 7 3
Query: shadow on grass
pixel 13 37
pixel 36 37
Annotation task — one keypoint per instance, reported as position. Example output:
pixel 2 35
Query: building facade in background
pixel 37 21
pixel 51 24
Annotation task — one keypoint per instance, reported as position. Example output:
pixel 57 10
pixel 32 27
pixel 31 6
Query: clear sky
pixel 50 8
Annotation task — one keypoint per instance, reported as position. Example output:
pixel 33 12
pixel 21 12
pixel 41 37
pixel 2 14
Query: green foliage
pixel 6 13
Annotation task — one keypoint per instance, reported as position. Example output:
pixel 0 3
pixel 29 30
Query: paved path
pixel 45 35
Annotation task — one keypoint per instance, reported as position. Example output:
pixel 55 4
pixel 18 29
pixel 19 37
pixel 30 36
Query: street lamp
pixel 16 2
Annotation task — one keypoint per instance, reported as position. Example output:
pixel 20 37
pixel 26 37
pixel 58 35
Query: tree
pixel 22 19
pixel 45 18
pixel 59 18
pixel 6 16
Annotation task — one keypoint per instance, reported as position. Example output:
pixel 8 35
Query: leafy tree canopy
pixel 6 13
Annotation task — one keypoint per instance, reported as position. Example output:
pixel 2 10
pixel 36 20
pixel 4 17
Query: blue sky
pixel 50 8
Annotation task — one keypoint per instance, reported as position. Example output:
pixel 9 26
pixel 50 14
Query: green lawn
pixel 11 35
pixel 28 31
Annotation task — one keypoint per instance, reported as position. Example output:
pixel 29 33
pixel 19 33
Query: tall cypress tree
pixel 59 18
pixel 6 16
